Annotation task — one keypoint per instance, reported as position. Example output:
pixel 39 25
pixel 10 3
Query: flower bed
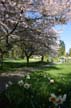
pixel 35 92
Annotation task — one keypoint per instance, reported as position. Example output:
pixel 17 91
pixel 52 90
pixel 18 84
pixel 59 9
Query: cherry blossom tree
pixel 37 33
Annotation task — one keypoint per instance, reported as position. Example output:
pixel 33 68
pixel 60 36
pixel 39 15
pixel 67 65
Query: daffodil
pixel 52 81
pixel 10 83
pixel 6 85
pixel 27 86
pixel 61 99
pixel 28 76
pixel 53 98
pixel 57 100
pixel 20 83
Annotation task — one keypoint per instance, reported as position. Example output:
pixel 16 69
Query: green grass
pixel 41 88
pixel 61 74
pixel 14 65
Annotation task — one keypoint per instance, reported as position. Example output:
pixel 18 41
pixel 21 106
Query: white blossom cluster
pixel 21 83
pixel 25 85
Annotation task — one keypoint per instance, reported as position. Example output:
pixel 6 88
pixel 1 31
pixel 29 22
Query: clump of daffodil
pixel 57 100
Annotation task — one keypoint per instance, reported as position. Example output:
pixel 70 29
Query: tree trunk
pixel 22 54
pixel 1 60
pixel 12 53
pixel 27 60
pixel 28 55
pixel 42 58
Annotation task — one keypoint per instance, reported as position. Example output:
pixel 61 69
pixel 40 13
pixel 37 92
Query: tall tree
pixel 62 48
pixel 70 52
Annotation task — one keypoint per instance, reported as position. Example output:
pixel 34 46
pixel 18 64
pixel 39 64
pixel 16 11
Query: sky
pixel 65 35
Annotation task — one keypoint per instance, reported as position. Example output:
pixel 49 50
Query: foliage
pixel 69 52
pixel 62 48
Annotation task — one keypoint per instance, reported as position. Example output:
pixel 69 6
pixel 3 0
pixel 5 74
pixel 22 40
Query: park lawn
pixel 21 60
pixel 12 65
pixel 61 74
pixel 44 80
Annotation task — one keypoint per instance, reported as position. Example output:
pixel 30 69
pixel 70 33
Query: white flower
pixel 51 81
pixel 64 97
pixel 20 83
pixel 28 76
pixel 3 0
pixel 13 3
pixel 10 83
pixel 6 85
pixel 57 100
pixel 61 99
pixel 52 98
pixel 27 86
pixel 53 95
pixel 6 15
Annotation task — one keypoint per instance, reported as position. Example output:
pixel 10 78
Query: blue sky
pixel 65 35
pixel 33 14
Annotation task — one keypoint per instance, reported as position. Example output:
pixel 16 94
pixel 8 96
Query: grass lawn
pixel 46 80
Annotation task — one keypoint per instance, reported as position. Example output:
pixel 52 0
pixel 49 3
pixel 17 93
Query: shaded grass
pixel 13 65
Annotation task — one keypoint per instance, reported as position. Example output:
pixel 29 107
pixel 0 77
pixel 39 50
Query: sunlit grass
pixel 21 60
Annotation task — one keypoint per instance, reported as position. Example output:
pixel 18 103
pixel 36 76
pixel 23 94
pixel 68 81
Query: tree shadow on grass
pixel 14 66
pixel 4 80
